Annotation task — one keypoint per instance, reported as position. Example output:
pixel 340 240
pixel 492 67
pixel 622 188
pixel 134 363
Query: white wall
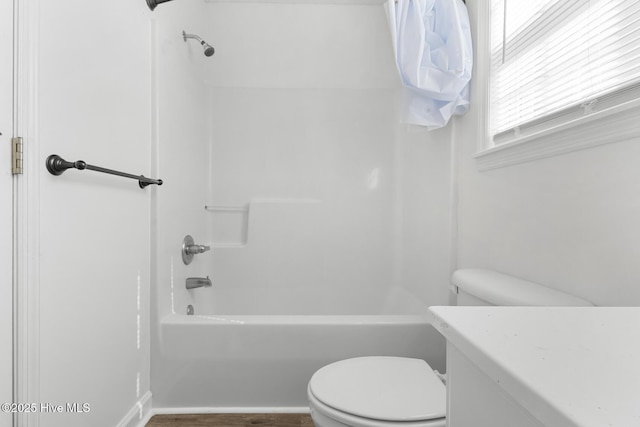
pixel 304 108
pixel 424 218
pixel 316 169
pixel 181 150
pixel 180 157
pixel 570 222
pixel 6 239
pixel 93 104
pixel 299 45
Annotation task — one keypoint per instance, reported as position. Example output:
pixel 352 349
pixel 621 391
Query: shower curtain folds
pixel 433 51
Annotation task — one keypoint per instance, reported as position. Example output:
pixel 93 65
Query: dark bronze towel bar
pixel 56 165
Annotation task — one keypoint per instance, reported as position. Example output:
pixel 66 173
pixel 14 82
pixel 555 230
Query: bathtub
pixel 262 362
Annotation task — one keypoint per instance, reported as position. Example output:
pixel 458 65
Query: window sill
pixel 613 125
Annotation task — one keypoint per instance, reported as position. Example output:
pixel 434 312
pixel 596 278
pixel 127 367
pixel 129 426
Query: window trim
pixel 614 124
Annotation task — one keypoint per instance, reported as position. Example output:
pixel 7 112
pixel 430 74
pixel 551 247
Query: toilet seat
pixel 325 416
pixel 379 391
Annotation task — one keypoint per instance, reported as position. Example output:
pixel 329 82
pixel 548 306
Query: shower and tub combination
pixel 243 345
pixel 325 231
pixel 226 359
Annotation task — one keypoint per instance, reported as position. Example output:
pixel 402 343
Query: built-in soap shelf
pixel 230 225
pixel 272 219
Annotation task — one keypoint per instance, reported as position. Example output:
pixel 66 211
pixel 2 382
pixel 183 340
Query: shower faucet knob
pixel 197 249
pixel 189 249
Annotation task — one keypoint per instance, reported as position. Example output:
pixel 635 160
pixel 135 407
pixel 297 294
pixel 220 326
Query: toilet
pixel 379 391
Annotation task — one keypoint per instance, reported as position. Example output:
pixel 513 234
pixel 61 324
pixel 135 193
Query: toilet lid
pixel 381 388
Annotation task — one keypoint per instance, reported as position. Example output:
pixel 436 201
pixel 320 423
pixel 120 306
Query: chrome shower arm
pixel 208 49
pixel 186 36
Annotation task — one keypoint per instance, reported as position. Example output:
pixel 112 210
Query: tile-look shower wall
pixel 93 94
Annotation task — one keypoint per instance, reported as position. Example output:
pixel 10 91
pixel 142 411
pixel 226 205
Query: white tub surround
pixel 219 363
pixel 541 366
pixel 323 212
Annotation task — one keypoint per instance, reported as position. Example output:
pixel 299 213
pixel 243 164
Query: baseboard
pixel 140 414
pixel 234 410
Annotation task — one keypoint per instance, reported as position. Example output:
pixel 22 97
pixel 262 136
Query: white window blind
pixel 557 61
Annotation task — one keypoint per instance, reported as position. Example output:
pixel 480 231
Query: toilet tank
pixel 487 287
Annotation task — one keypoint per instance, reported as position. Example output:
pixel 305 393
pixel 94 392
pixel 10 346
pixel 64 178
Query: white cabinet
pixel 474 400
pixel 541 366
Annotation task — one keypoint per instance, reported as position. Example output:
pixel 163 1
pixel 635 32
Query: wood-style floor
pixel 231 420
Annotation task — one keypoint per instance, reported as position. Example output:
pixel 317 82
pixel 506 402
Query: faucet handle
pixel 189 249
pixel 196 249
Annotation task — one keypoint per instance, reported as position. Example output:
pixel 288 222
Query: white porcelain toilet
pixel 396 391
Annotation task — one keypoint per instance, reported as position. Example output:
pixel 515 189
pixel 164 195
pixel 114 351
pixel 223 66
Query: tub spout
pixel 198 282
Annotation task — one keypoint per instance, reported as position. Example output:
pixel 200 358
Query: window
pixel 561 64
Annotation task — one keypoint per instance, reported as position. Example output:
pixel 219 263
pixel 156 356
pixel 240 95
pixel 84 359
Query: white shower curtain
pixel 433 51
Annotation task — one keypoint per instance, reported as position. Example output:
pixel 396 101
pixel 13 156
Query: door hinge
pixel 16 156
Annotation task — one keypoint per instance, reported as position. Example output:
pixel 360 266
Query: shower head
pixel 208 49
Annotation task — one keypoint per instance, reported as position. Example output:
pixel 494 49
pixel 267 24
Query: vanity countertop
pixel 567 366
